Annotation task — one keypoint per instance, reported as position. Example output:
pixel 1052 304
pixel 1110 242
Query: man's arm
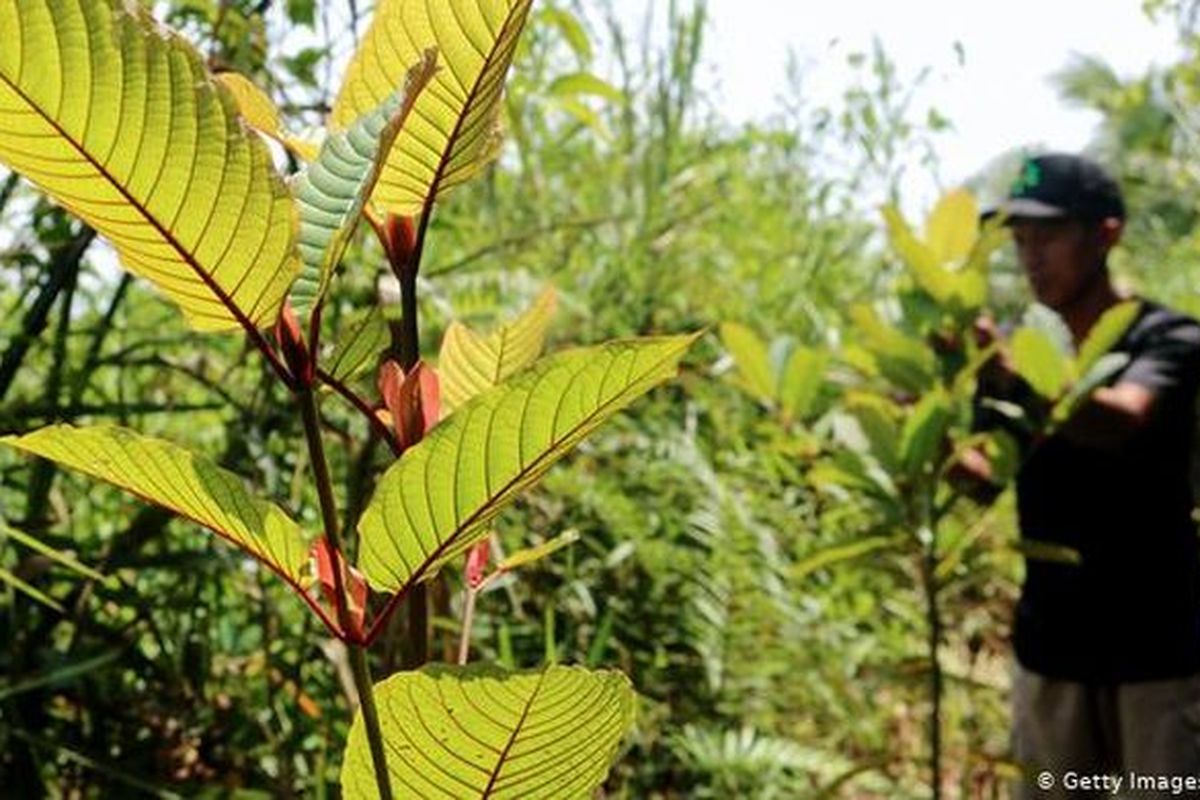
pixel 1167 364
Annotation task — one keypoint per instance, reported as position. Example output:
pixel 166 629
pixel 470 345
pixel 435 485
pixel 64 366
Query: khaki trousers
pixel 1078 740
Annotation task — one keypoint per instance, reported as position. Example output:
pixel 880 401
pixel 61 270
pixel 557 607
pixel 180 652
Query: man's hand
pixel 971 472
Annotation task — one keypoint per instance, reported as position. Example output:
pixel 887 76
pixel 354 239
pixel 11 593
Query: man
pixel 1108 646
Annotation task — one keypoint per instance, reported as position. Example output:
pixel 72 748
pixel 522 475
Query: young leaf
pixel 260 113
pixel 453 131
pixel 1040 362
pixel 333 191
pixel 118 121
pixel 365 339
pixel 457 733
pixel 532 554
pixel 902 359
pixel 752 360
pixel 470 364
pixel 189 485
pixel 437 500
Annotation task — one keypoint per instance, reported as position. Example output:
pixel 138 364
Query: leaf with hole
pixel 438 499
pixel 456 733
pixel 119 121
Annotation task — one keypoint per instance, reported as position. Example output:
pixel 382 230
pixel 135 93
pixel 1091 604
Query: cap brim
pixel 1024 208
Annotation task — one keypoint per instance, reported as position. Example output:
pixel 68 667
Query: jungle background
pixel 729 560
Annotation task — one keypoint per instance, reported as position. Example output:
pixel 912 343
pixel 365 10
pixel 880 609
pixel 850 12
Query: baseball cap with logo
pixel 1061 185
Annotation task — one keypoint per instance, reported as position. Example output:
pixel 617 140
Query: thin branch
pixel 363 407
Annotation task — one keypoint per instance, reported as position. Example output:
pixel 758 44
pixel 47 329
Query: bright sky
pixel 999 98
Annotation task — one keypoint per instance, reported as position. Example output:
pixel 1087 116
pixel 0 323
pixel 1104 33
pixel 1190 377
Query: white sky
pixel 998 99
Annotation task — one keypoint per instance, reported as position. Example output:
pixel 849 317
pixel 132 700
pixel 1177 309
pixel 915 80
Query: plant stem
pixel 464 642
pixel 358 655
pixel 934 622
pixel 370 715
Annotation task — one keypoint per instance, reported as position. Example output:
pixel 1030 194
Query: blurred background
pixel 669 166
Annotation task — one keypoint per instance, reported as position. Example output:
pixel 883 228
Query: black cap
pixel 1061 185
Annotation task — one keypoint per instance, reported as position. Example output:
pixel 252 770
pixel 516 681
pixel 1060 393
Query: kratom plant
pixel 119 120
pixel 896 432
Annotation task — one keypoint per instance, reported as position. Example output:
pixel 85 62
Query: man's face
pixel 1061 257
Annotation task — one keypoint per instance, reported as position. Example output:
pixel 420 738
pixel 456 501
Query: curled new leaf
pixel 333 191
pixel 170 476
pixel 119 121
pixel 437 500
pixel 453 131
pixel 459 733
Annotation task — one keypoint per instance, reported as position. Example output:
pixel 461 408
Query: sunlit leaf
pixel 168 475
pixel 453 132
pixel 1107 331
pixel 260 113
pixel 437 500
pixel 752 359
pixel 470 363
pixel 333 190
pixel 119 121
pixel 530 555
pixel 457 733
pixel 1039 361
pixel 952 227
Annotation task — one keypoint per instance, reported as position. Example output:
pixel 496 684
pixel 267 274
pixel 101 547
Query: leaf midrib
pixel 512 739
pixel 521 7
pixel 491 500
pixel 225 300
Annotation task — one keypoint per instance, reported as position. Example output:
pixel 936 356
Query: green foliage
pixel 483 732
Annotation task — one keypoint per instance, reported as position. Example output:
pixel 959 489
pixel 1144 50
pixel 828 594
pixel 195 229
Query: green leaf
pixel 456 733
pixel 1103 368
pixel 470 364
pixel 879 420
pixel 31 591
pixel 530 555
pixel 1107 331
pixel 752 359
pixel 49 552
pixel 801 382
pixel 905 361
pixel 437 500
pixel 952 227
pixel 120 122
pixel 841 553
pixel 333 191
pixel 585 83
pixel 453 132
pixel 365 339
pixel 260 113
pixel 189 485
pixel 924 430
pixel 1039 361
pixel 571 29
